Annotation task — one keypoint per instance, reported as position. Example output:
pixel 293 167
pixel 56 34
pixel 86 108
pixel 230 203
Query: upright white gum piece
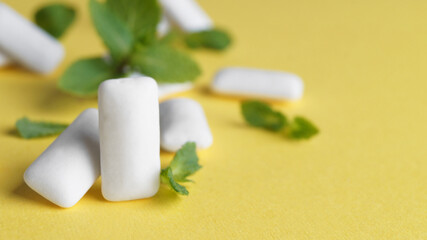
pixel 187 14
pixel 66 170
pixel 257 83
pixel 167 89
pixel 4 60
pixel 183 120
pixel 129 137
pixel 26 43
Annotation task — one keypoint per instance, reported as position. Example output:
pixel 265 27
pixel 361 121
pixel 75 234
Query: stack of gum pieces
pixel 123 144
pixel 122 141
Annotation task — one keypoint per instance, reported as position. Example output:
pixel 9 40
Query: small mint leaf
pixel 55 18
pixel 302 128
pixel 32 129
pixel 167 177
pixel 260 114
pixel 213 39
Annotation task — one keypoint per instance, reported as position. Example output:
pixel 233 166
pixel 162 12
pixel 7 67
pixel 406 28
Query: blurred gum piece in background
pixel 258 83
pixel 27 44
pixel 187 14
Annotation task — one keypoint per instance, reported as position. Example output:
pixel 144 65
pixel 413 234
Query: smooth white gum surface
pixel 26 43
pixel 187 14
pixel 66 170
pixel 130 138
pixel 183 120
pixel 257 83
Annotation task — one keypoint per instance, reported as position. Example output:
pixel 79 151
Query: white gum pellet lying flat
pixel 28 44
pixel 129 138
pixel 4 60
pixel 167 89
pixel 187 14
pixel 257 83
pixel 183 120
pixel 66 170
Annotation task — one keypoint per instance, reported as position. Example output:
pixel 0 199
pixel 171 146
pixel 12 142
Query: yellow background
pixel 364 64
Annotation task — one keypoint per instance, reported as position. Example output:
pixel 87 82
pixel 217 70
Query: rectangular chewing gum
pixel 66 170
pixel 183 120
pixel 187 14
pixel 129 138
pixel 257 83
pixel 26 43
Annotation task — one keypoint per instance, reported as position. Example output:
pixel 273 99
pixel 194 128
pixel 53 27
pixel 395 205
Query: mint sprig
pixel 184 164
pixel 260 114
pixel 128 30
pixel 33 129
pixel 55 18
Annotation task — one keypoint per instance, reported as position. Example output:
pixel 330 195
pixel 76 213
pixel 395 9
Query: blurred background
pixel 363 65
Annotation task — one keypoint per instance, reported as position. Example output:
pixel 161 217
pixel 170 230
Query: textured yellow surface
pixel 364 177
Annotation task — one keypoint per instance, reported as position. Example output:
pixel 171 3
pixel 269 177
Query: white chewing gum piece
pixel 183 120
pixel 27 44
pixel 129 138
pixel 66 170
pixel 257 83
pixel 187 14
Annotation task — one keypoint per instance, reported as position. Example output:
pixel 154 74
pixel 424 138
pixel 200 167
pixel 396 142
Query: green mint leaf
pixel 301 128
pixel 113 31
pixel 141 16
pixel 185 162
pixel 261 115
pixel 31 129
pixel 55 18
pixel 83 77
pixel 167 177
pixel 165 64
pixel 213 39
